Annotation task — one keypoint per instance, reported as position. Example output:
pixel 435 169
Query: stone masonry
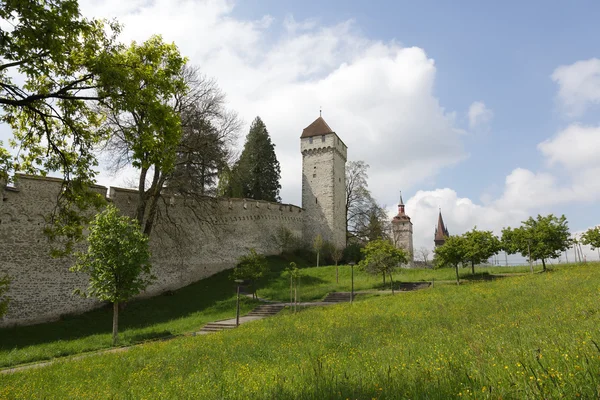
pixel 42 287
pixel 323 184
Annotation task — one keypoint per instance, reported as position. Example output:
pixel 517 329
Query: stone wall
pixel 42 287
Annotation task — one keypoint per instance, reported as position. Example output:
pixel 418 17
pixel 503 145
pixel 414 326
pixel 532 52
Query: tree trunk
pixel 157 182
pixel 318 258
pixel 392 281
pixel 472 268
pixel 544 264
pixel 141 207
pixel 384 279
pixel 291 290
pixel 337 273
pixel 115 331
pixel 457 279
pixel 295 299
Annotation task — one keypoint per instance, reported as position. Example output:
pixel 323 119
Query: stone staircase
pixel 338 297
pixel 266 310
pixel 217 327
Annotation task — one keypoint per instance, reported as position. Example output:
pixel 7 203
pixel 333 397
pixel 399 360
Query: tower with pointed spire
pixel 441 232
pixel 402 230
pixel 323 184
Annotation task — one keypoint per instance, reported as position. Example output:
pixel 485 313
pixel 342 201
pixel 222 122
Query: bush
pixel 251 267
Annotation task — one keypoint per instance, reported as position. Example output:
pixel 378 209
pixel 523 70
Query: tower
pixel 323 184
pixel 402 230
pixel 441 232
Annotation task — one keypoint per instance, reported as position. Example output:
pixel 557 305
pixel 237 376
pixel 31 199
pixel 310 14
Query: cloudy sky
pixel 489 111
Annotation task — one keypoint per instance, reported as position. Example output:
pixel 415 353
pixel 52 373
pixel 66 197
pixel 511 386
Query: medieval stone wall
pixel 183 251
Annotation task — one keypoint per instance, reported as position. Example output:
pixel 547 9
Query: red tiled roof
pixel 317 128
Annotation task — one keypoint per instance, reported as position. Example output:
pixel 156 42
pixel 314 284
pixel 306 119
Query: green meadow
pixel 526 336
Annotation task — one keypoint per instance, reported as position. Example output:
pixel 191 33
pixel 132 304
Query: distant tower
pixel 402 230
pixel 323 184
pixel 441 232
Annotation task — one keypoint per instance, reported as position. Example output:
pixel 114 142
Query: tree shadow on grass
pixel 216 293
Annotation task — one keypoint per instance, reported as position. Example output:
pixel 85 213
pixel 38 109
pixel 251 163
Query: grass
pixel 531 336
pixel 182 311
pixel 187 309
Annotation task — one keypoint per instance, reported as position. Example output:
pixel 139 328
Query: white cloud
pixel 579 85
pixel 479 115
pixel 575 147
pixel 378 96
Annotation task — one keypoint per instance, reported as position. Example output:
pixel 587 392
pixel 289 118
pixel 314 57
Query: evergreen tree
pixel 257 172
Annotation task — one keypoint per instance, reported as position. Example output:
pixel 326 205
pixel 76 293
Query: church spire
pixel 441 232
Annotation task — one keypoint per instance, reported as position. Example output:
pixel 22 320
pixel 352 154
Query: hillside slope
pixel 531 336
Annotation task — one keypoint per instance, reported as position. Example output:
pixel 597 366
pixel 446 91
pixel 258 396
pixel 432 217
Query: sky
pixel 487 110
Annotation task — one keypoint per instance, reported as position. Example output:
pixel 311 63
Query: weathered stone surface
pixel 42 286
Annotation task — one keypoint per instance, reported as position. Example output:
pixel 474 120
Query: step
pixel 337 297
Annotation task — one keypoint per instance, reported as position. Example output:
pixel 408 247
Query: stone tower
pixel 323 184
pixel 441 232
pixel 402 230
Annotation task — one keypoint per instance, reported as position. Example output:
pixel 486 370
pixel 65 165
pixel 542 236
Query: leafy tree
pixel 381 256
pixel 318 246
pixel 538 239
pixel 251 267
pixel 452 253
pixel 4 282
pixel 256 174
pixel 63 60
pixel 117 261
pixel 591 237
pixel 480 246
pixel 145 125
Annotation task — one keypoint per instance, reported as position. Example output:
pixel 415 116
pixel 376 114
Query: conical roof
pixel 317 128
pixel 441 233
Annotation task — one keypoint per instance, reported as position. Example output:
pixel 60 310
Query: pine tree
pixel 257 172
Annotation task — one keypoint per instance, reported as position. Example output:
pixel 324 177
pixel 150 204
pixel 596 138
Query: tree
pixel 4 282
pixel 591 237
pixel 62 59
pixel 424 252
pixel 143 120
pixel 256 174
pixel 538 239
pixel 251 267
pixel 480 246
pixel 285 239
pixel 318 246
pixel 358 197
pixel 117 261
pixel 452 253
pixel 294 274
pixel 209 130
pixel 381 256
pixel 337 255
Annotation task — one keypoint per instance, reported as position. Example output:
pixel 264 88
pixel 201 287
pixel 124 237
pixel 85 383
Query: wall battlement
pixel 41 286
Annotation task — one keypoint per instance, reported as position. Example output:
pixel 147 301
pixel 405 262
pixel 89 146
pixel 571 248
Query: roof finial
pixel 401 201
pixel 320 111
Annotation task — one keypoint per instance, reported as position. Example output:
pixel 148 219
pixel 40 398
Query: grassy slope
pixel 184 311
pixel 187 310
pixel 525 337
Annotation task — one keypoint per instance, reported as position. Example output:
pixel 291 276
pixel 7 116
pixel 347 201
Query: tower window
pixel 314 175
pixel 316 201
pixel 322 138
pixel 310 140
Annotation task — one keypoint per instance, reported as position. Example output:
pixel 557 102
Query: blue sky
pixel 486 109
